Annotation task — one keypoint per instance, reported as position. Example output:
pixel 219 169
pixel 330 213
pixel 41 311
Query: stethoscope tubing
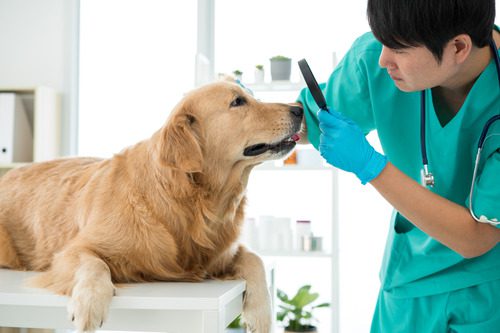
pixel 490 121
pixel 427 177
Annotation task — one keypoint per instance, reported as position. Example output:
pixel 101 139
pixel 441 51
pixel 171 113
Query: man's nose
pixel 384 60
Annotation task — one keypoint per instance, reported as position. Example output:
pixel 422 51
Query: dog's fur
pixel 169 208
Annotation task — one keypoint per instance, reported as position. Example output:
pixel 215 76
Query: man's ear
pixel 180 145
pixel 462 47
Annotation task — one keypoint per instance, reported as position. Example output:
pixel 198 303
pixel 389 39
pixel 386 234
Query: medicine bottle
pixel 302 230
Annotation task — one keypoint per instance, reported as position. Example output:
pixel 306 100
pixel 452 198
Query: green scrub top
pixel 414 263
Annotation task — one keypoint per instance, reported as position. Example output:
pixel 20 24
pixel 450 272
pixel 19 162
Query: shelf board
pixel 311 254
pixel 276 86
pixel 18 89
pixel 271 165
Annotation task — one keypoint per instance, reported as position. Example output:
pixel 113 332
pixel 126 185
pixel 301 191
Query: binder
pixel 16 133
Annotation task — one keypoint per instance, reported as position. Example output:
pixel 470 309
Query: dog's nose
pixel 297 111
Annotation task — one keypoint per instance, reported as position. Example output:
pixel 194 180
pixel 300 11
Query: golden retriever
pixel 169 208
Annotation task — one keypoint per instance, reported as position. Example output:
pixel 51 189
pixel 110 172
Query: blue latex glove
pixel 343 145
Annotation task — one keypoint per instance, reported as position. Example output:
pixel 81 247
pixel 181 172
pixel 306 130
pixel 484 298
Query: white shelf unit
pixel 327 259
pixel 43 107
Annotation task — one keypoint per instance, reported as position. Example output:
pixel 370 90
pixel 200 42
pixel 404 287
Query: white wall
pixel 136 62
pixel 39 46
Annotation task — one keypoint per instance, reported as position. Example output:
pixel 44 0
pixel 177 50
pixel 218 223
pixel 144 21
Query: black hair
pixel 399 24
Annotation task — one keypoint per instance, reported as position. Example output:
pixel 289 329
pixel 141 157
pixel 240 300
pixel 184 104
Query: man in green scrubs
pixel 441 269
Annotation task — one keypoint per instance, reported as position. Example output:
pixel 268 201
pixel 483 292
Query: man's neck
pixel 451 97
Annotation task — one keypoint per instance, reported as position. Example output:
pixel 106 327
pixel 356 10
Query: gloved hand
pixel 343 145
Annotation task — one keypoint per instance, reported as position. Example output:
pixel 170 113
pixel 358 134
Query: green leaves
pixel 322 305
pixel 293 312
pixel 304 297
pixel 282 296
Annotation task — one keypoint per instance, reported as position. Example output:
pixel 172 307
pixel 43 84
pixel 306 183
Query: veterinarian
pixel 441 269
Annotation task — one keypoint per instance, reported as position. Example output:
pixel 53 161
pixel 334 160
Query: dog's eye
pixel 239 101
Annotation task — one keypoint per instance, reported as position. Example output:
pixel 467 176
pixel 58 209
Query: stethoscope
pixel 428 177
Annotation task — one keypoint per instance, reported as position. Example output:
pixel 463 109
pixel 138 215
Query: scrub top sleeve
pixel 486 195
pixel 349 87
pixel 310 112
pixel 346 91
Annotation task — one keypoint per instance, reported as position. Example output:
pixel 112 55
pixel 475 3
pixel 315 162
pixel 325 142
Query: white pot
pixel 281 69
pixel 259 75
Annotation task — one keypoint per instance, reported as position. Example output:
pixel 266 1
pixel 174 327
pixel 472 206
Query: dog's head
pixel 221 124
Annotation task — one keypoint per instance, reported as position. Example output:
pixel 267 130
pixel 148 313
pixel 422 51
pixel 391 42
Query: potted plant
pixel 259 73
pixel 281 67
pixel 238 74
pixel 297 312
pixel 236 326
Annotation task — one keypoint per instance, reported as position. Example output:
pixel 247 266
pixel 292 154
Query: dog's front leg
pixel 91 294
pixel 86 278
pixel 257 312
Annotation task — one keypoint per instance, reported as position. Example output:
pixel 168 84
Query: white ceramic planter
pixel 281 69
pixel 259 75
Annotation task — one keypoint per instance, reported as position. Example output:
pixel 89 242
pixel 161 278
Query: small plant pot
pixel 308 329
pixel 259 76
pixel 281 69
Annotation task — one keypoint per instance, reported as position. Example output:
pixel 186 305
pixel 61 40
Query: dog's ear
pixel 227 78
pixel 181 143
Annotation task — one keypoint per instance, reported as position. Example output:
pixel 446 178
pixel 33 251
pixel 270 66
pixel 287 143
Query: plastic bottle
pixel 302 231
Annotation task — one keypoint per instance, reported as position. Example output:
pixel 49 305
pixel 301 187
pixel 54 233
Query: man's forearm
pixel 442 219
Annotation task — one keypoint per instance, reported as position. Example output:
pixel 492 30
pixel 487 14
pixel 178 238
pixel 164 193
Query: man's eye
pixel 238 101
pixel 399 51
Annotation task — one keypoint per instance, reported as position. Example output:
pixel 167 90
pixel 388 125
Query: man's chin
pixel 401 85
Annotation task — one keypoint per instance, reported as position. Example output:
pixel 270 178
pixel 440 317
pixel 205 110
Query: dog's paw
pixel 257 313
pixel 89 304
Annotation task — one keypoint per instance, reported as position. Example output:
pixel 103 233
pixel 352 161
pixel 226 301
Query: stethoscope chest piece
pixel 427 178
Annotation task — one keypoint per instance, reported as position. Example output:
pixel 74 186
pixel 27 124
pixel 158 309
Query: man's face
pixel 416 68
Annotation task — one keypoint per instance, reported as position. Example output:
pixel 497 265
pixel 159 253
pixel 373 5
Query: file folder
pixel 16 132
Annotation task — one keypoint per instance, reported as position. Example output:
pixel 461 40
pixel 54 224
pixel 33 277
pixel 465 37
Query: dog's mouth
pixel 282 146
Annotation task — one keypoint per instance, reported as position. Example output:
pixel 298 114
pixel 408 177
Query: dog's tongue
pixel 295 137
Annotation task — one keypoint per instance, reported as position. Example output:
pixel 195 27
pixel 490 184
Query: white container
pixel 265 229
pixel 249 235
pixel 259 75
pixel 282 234
pixel 302 230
